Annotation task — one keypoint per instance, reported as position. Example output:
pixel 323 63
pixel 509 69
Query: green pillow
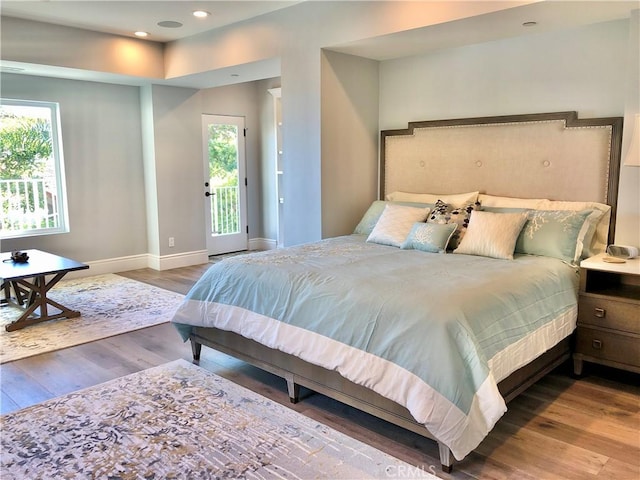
pixel 552 233
pixel 429 237
pixel 371 216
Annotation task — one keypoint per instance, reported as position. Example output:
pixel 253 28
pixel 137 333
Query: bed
pixel 457 289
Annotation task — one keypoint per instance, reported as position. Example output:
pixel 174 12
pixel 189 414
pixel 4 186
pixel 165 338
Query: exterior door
pixel 225 190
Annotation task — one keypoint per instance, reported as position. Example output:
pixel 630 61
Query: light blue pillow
pixel 372 215
pixel 429 237
pixel 370 218
pixel 552 233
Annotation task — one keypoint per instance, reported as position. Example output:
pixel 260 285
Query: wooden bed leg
pixel 293 388
pixel 446 459
pixel 196 348
pixel 577 365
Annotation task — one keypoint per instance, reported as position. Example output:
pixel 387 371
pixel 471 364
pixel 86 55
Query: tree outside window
pixel 223 174
pixel 31 169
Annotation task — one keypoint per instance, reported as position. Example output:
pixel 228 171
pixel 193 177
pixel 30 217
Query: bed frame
pixel 555 156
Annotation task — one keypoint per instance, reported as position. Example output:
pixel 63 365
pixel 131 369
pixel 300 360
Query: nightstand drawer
pixel 609 313
pixel 608 346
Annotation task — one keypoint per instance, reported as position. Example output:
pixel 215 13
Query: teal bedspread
pixel 421 329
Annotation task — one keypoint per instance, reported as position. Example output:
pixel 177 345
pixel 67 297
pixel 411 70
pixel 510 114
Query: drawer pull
pixel 596 344
pixel 599 312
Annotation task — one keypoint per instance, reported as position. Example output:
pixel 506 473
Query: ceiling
pixel 124 17
pixel 547 15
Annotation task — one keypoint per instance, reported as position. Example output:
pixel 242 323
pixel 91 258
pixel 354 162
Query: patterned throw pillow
pixel 429 237
pixel 552 233
pixel 444 213
pixel 395 223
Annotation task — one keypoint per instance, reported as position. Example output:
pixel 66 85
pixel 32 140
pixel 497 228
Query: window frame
pixel 59 170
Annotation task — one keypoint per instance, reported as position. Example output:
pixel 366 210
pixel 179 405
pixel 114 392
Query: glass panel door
pixel 224 183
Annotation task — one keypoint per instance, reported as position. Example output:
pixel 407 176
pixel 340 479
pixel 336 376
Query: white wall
pixel 580 69
pixel 585 69
pixel 349 140
pixel 178 165
pixel 178 169
pixel 314 24
pixel 47 44
pixel 150 174
pixel 268 212
pixel 628 224
pixel 102 146
pixel 134 168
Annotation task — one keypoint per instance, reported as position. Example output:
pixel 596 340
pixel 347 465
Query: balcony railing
pixel 225 210
pixel 32 204
pixel 29 204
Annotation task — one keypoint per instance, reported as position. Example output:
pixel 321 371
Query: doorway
pixel 225 187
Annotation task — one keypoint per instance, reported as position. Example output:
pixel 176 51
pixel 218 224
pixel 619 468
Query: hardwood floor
pixel 560 428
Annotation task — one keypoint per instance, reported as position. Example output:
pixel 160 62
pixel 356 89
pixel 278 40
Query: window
pixel 32 184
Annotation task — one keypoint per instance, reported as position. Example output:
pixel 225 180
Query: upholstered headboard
pixel 550 155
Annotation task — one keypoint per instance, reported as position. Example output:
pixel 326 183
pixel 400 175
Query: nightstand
pixel 608 329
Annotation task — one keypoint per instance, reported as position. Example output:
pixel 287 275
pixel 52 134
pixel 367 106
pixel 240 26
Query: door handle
pixel 208 194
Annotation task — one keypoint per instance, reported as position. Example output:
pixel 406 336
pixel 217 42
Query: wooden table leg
pixel 38 290
pixel 6 286
pixel 17 290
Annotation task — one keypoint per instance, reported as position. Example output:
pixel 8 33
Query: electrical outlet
pixel 172 242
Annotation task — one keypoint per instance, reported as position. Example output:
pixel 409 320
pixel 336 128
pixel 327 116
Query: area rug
pixel 180 421
pixel 110 305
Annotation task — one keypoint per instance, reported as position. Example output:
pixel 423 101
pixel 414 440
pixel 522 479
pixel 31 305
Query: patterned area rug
pixel 180 421
pixel 110 305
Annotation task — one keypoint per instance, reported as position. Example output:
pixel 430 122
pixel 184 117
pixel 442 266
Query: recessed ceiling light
pixel 529 24
pixel 141 34
pixel 201 13
pixel 169 24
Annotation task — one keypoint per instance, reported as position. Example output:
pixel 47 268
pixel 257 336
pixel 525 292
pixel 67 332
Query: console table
pixel 30 286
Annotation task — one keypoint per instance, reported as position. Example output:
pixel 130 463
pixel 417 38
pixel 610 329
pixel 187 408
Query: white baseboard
pixel 186 259
pixel 136 262
pixel 156 262
pixel 262 244
pixel 111 265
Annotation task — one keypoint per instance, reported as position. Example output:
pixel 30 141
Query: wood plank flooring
pixel 561 428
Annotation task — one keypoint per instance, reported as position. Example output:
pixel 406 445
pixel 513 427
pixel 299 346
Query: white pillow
pixel 510 202
pixel 592 240
pixel 456 200
pixel 492 234
pixel 395 223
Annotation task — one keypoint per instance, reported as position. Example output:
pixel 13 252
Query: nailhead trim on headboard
pixel 576 165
